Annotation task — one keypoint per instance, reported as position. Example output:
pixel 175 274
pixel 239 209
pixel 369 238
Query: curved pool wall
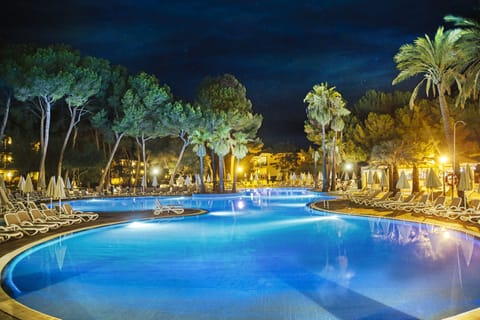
pixel 259 255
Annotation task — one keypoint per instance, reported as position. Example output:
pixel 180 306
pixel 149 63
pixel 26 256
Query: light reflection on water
pixel 261 255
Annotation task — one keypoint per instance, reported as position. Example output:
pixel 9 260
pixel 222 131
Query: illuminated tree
pixel 85 85
pixel 10 77
pixel 113 120
pixel 231 112
pixel 469 44
pixel 439 62
pixel 326 107
pixel 46 79
pixel 180 120
pixel 145 102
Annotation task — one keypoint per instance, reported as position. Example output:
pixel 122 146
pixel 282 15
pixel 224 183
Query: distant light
pixel 155 171
pixel 136 225
pixel 446 235
pixel 443 159
pixel 348 166
pixel 240 204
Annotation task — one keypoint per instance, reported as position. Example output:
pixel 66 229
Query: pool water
pixel 262 254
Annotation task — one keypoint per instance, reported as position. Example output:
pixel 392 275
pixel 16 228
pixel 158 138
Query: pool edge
pixel 17 310
pixel 473 314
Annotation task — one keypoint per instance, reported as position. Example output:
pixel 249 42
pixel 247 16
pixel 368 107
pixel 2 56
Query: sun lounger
pixel 422 202
pixel 438 204
pixel 167 208
pixel 472 214
pixel 25 218
pixel 393 205
pixel 40 217
pixel 7 233
pixel 378 196
pixel 452 211
pixel 52 214
pixel 370 195
pixel 68 211
pixel 382 203
pixel 13 222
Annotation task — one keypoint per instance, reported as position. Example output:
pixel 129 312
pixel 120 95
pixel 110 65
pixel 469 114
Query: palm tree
pixel 200 136
pixel 470 46
pixel 439 61
pixel 338 112
pixel 323 103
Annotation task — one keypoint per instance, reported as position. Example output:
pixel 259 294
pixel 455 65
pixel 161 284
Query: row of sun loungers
pixel 421 203
pixel 29 219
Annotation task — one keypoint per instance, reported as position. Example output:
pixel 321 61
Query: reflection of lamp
pixel 443 160
pixel 453 159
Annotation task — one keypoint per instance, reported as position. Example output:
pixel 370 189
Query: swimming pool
pixel 258 255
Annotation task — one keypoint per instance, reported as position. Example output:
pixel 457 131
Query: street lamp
pixel 453 159
pixel 443 160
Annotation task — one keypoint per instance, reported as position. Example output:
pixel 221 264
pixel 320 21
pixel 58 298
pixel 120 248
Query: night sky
pixel 278 49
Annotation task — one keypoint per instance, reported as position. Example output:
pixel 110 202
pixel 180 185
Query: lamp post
pixel 453 158
pixel 443 160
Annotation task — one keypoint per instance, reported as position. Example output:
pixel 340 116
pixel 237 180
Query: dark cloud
pixel 277 48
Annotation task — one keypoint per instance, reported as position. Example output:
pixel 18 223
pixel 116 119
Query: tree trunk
pixel 202 184
pixel 109 162
pixel 65 143
pixel 445 117
pixel 221 187
pixel 333 185
pixel 5 117
pixel 214 170
pixel 144 158
pixel 324 163
pixel 180 156
pixel 415 179
pixel 234 183
pixel 46 134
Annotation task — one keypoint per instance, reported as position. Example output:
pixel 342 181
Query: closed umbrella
pixel 320 176
pixel 2 183
pixel 188 181
pixel 21 183
pixel 432 181
pixel 68 184
pixel 59 192
pixel 383 180
pixel 402 182
pixel 4 197
pixel 465 182
pixel 370 178
pixel 28 187
pixel 154 182
pixel 50 188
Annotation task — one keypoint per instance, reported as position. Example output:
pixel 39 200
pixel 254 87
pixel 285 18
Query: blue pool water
pixel 259 255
